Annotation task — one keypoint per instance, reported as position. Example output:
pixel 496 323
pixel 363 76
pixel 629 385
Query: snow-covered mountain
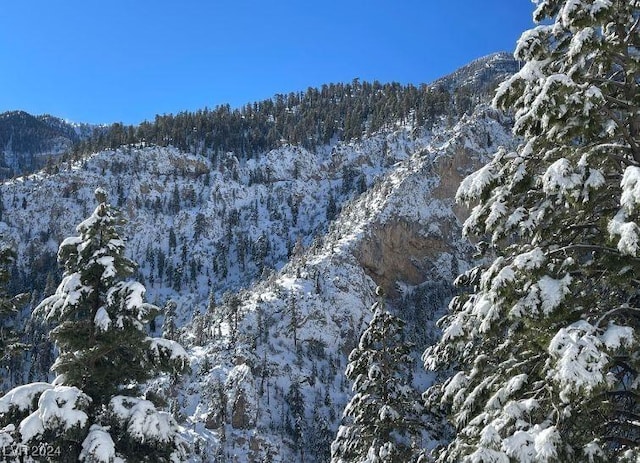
pixel 271 262
pixel 481 74
pixel 297 327
pixel 28 142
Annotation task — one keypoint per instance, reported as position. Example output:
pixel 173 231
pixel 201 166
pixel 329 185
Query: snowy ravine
pixel 278 388
pixel 289 246
pixel 196 227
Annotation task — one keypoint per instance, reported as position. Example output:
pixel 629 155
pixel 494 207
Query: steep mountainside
pixel 315 117
pixel 480 74
pixel 270 262
pixel 276 387
pixel 27 142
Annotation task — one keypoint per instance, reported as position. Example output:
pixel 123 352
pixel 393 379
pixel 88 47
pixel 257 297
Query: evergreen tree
pixel 332 208
pixel 99 314
pixel 199 226
pixel 384 415
pixel 547 343
pixel 232 305
pixel 91 411
pixel 10 344
pixel 294 422
pixel 169 327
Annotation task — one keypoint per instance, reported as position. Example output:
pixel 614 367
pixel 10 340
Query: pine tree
pixel 169 327
pixel 384 415
pixel 99 314
pixel 92 411
pixel 199 226
pixel 10 344
pixel 547 342
pixel 332 208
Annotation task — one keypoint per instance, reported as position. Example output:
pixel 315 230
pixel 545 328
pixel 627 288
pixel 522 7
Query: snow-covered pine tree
pixel 547 343
pixel 91 412
pixel 10 344
pixel 100 314
pixel 383 419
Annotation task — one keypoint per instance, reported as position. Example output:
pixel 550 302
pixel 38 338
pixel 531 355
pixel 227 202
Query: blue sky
pixel 127 60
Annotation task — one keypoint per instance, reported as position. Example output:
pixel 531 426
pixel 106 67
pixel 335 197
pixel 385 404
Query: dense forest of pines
pixel 342 111
pixel 311 118
pixel 538 355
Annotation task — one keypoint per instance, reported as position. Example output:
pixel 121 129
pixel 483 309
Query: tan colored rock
pixel 240 418
pixel 452 170
pixel 398 250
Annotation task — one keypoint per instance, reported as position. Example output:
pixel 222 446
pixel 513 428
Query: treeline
pixel 311 118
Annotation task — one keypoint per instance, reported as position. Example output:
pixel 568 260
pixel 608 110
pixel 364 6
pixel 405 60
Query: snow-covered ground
pixel 287 230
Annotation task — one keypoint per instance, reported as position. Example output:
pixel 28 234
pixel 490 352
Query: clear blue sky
pixel 127 60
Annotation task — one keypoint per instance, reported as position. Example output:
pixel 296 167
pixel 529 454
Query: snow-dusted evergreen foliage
pixel 10 345
pixel 383 418
pixel 267 380
pixel 548 339
pixel 50 422
pixel 296 327
pixel 100 316
pixel 100 333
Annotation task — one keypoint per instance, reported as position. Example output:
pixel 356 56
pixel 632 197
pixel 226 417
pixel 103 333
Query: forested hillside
pixel 263 232
pixel 28 143
pixel 296 254
pixel 315 117
pixel 358 273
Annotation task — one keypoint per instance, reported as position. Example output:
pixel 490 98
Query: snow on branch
pixel 142 420
pixel 628 234
pixel 579 360
pixel 167 349
pixel 67 296
pixel 630 197
pixel 22 398
pixel 473 186
pixel 560 178
pixel 59 408
pixel 98 446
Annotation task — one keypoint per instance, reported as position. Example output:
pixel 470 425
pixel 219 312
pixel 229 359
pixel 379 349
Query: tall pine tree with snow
pixel 10 344
pixel 547 343
pixel 100 315
pixel 383 418
pixel 92 411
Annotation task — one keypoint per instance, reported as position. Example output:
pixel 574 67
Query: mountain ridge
pixel 28 142
pixel 315 117
pixel 268 264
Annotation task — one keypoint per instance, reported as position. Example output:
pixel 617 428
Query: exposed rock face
pixel 411 250
pixel 240 418
pixel 241 395
pixel 298 325
pixel 451 170
pixel 422 241
pixel 400 251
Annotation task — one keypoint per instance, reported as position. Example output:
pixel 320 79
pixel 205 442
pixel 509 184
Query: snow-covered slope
pixel 27 142
pixel 274 387
pixel 481 75
pixel 272 264
pixel 195 227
